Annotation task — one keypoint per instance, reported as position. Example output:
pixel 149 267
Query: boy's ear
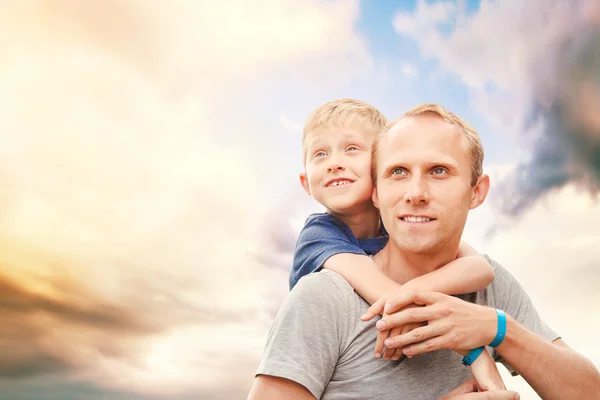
pixel 480 191
pixel 304 183
pixel 375 197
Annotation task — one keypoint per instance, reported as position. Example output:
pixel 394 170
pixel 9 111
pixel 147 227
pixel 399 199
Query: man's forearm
pixel 553 370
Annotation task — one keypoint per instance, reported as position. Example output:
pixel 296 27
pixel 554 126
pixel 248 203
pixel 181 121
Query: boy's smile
pixel 338 182
pixel 338 169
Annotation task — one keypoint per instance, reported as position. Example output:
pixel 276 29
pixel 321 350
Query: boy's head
pixel 336 146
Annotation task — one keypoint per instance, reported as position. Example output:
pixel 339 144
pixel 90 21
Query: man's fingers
pixel 415 336
pixel 398 354
pixel 412 296
pixel 374 310
pixel 410 315
pixel 424 347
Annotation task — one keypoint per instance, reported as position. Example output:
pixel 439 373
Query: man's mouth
pixel 416 218
pixel 338 182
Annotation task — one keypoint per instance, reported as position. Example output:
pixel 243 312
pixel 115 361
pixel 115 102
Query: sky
pixel 150 154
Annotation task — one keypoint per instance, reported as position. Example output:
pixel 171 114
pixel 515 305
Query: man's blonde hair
pixel 343 112
pixel 475 145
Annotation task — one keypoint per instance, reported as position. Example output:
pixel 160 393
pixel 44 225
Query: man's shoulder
pixel 325 283
pixel 324 289
pixel 501 275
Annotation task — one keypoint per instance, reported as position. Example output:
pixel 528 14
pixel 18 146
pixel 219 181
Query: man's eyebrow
pixel 387 171
pixel 451 165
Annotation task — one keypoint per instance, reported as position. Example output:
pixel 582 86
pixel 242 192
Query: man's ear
pixel 375 197
pixel 304 182
pixel 480 191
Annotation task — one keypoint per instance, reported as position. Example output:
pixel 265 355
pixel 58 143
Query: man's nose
pixel 417 192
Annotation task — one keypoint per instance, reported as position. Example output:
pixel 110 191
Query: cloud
pixel 128 248
pixel 409 71
pixel 537 79
pixel 552 250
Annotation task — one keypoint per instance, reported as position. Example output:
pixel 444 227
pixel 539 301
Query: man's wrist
pixel 492 322
pixel 511 329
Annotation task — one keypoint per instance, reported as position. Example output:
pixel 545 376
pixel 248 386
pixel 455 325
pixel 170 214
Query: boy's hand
pixel 468 391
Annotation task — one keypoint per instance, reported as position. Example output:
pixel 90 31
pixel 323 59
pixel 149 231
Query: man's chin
pixel 417 247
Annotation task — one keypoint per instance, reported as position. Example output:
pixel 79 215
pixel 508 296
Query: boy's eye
pixel 439 170
pixel 352 148
pixel 319 154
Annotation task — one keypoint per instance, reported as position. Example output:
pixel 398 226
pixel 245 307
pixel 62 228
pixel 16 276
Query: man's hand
pixel 468 391
pixel 376 309
pixel 451 323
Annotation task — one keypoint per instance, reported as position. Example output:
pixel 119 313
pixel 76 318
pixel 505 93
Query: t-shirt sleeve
pixel 319 239
pixel 309 333
pixel 510 297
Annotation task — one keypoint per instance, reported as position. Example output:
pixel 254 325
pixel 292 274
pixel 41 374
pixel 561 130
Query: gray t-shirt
pixel 319 341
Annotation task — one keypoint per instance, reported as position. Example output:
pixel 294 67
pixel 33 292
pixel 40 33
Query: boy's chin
pixel 348 207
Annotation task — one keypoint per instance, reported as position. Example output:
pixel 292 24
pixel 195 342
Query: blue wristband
pixel 501 333
pixel 472 356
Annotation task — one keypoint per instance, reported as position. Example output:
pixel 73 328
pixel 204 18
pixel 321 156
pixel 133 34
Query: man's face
pixel 424 188
pixel 338 169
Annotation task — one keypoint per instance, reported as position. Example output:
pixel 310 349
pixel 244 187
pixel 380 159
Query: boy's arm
pixel 469 273
pixel 363 275
pixel 325 242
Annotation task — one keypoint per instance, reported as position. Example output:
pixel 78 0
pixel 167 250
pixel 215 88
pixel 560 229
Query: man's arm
pixel 553 369
pixel 303 345
pixel 267 387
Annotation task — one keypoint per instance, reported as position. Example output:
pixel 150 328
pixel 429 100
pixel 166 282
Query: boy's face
pixel 338 168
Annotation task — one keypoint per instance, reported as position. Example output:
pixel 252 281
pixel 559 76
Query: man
pixel 427 175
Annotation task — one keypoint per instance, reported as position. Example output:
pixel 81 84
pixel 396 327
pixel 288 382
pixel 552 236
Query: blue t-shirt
pixel 323 236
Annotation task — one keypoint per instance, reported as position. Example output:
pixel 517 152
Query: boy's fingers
pixel 374 310
pixel 389 353
pixel 381 336
pixel 467 387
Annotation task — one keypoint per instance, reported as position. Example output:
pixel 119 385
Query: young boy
pixel 336 146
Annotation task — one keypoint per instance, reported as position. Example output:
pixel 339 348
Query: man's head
pixel 427 170
pixel 336 147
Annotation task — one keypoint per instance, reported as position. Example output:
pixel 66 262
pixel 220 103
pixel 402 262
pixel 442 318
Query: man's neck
pixel 364 224
pixel 403 266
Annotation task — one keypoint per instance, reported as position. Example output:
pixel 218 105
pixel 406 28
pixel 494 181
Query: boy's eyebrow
pixel 314 141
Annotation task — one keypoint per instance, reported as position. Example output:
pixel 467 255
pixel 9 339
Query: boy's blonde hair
pixel 476 147
pixel 343 112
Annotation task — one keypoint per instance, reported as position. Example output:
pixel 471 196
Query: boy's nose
pixel 335 167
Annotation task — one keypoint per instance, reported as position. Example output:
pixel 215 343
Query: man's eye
pixel 397 171
pixel 352 148
pixel 439 171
